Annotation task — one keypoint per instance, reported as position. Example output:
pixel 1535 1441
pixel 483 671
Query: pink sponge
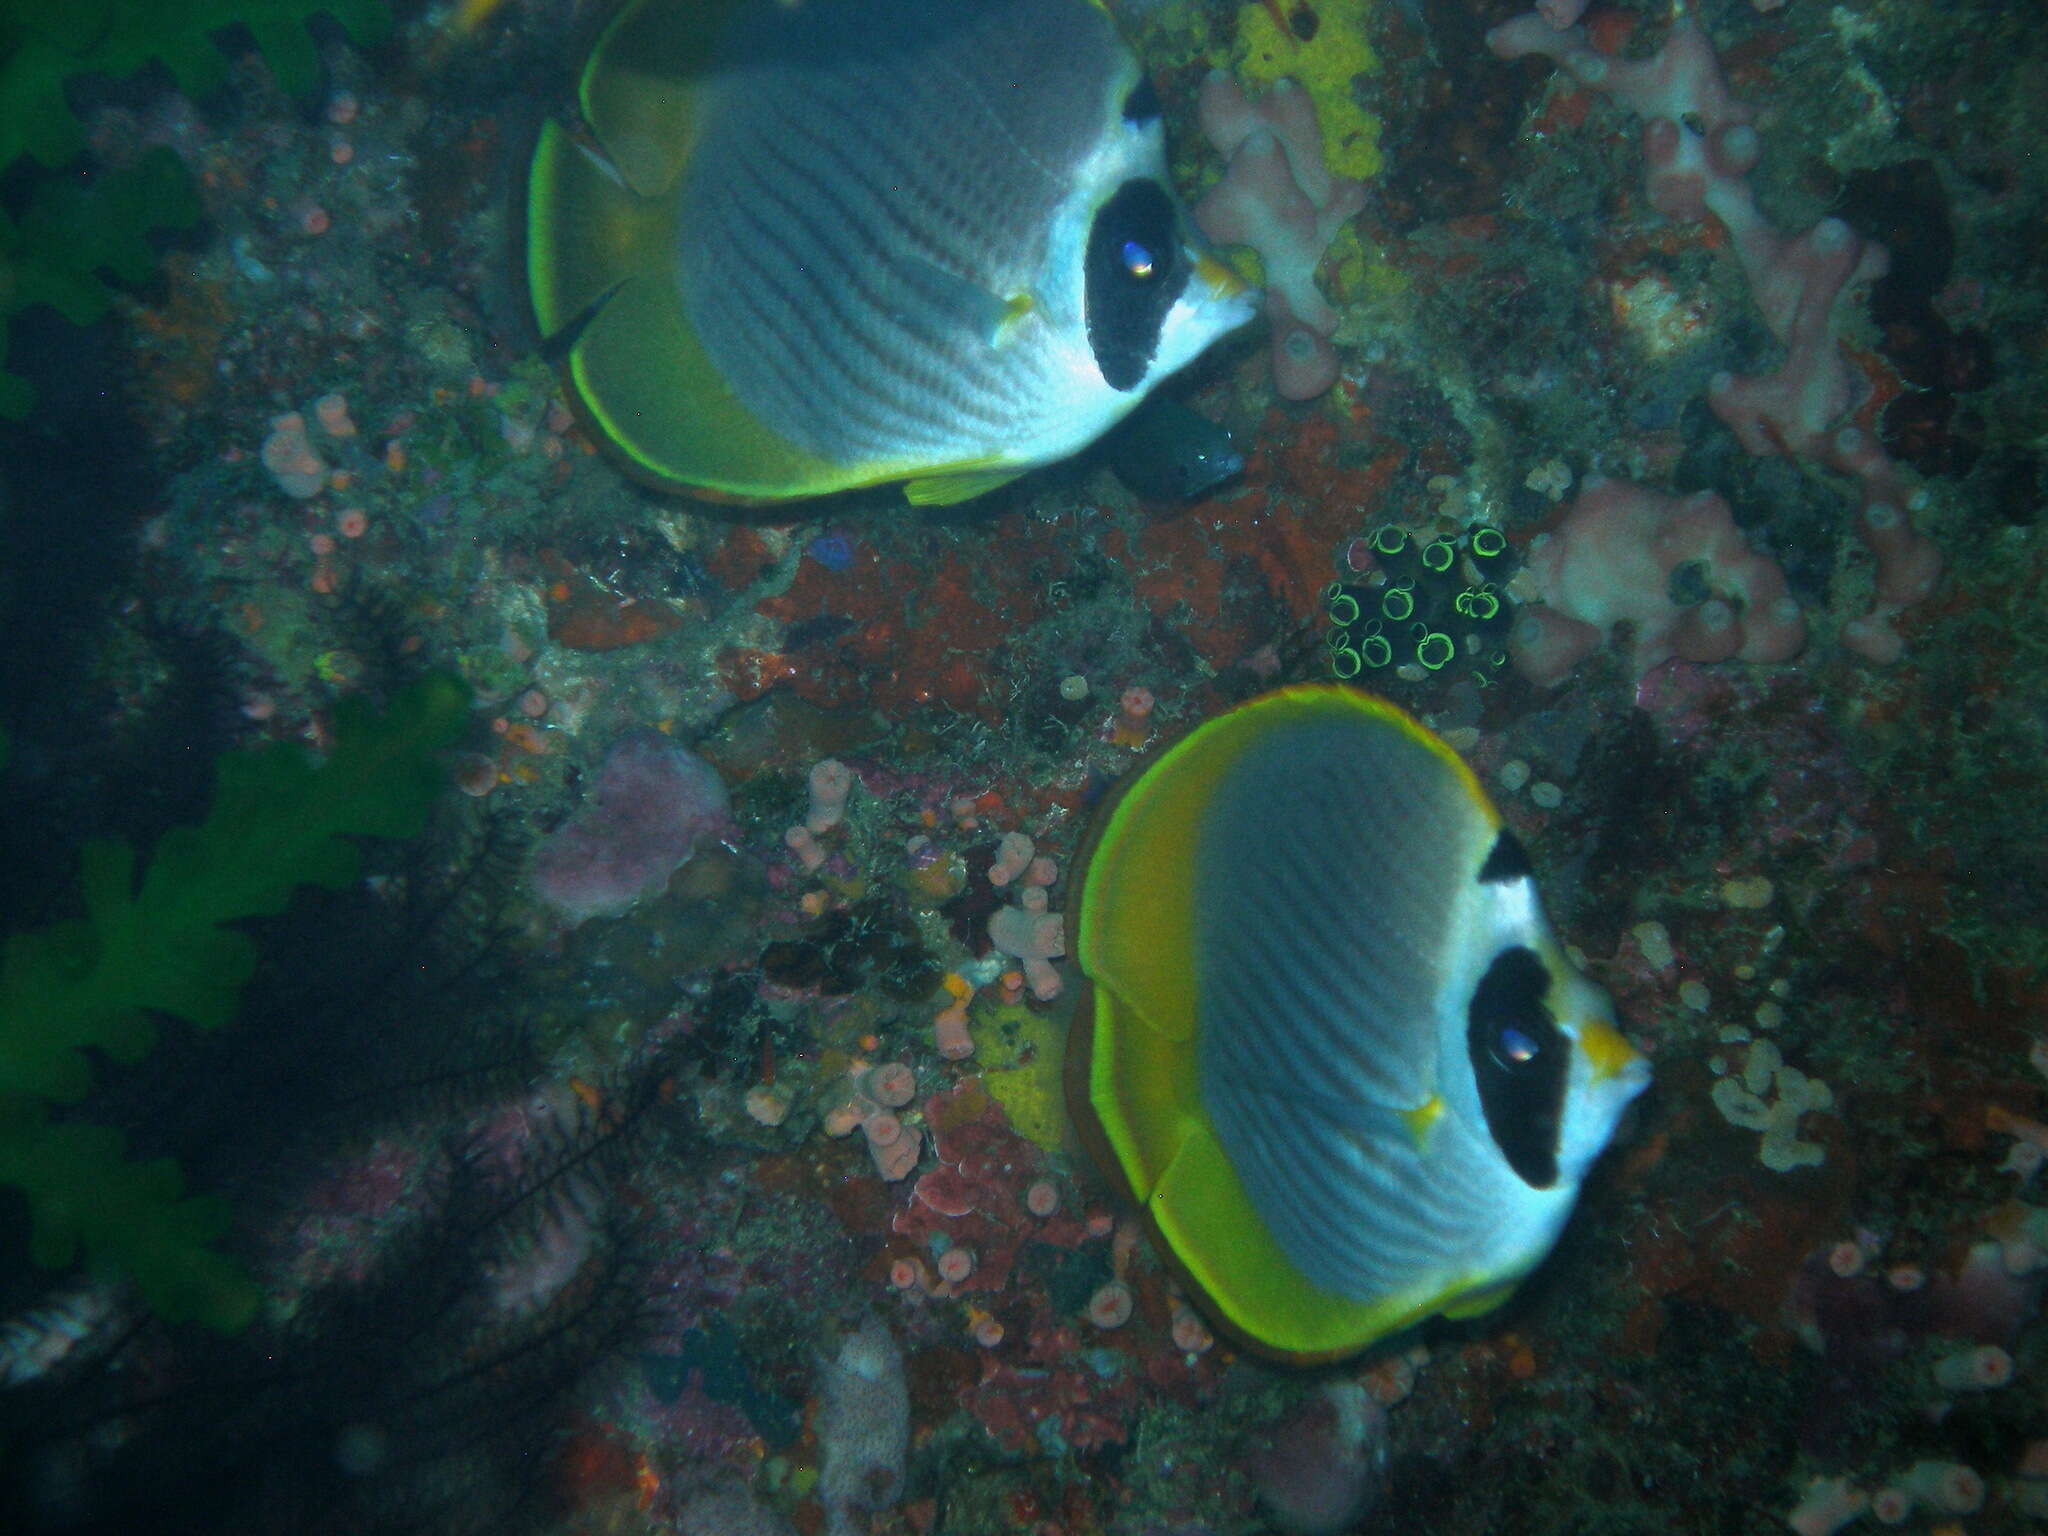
pixel 1699 146
pixel 1278 197
pixel 1611 562
pixel 638 826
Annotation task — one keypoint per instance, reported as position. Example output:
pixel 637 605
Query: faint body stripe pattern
pixel 1312 993
pixel 830 131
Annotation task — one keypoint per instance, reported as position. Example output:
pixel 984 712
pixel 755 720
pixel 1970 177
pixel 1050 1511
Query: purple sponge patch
pixel 639 824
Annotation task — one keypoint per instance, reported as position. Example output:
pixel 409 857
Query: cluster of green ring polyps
pixel 1439 605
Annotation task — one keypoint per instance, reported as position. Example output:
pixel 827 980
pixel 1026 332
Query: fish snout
pixel 1608 1052
pixel 1218 277
pixel 1219 289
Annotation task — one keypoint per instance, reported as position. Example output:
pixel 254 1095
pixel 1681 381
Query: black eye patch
pixel 1520 1059
pixel 1134 272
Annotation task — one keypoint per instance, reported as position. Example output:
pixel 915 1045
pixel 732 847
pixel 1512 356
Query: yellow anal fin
pixel 1240 1271
pixel 1477 1303
pixel 643 378
pixel 945 490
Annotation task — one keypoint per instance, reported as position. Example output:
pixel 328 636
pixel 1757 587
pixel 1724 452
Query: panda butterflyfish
pixel 804 246
pixel 1329 1042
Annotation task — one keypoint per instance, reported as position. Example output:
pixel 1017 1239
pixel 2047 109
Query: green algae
pixel 162 937
pixel 73 235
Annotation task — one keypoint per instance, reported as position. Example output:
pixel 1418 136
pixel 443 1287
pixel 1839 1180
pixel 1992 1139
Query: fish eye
pixel 1138 260
pixel 1514 1047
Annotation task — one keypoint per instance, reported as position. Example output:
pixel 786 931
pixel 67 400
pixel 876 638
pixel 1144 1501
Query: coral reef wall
pixel 662 1126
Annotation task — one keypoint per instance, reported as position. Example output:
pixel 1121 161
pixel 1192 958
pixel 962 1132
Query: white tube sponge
pixel 863 1427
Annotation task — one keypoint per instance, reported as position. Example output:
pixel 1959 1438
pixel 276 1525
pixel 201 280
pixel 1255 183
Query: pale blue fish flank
pixel 1304 874
pixel 812 318
pixel 1328 871
pixel 841 208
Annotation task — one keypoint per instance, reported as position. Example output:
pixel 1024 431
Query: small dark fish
pixel 1165 452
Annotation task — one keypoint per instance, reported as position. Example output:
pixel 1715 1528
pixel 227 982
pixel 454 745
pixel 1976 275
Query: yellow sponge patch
pixel 1325 62
pixel 1024 1053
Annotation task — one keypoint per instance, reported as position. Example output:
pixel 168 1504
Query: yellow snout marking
pixel 1223 283
pixel 1605 1048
